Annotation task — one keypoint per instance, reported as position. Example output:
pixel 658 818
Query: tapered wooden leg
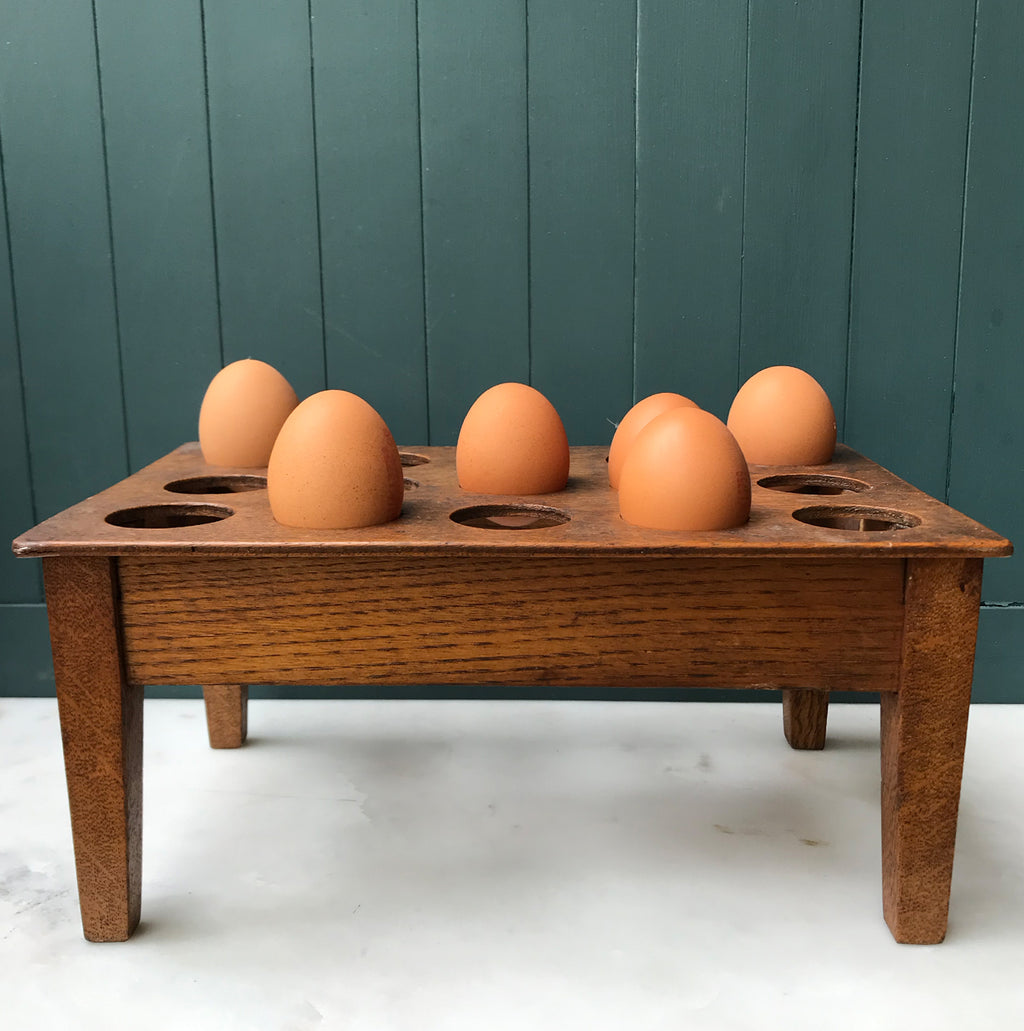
pixel 805 717
pixel 227 714
pixel 924 729
pixel 101 728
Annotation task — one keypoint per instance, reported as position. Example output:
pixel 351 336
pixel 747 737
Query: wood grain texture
pixel 475 226
pixel 593 527
pixel 924 730
pixel 690 124
pixel 805 718
pixel 513 620
pixel 368 141
pixel 227 714
pixel 798 208
pixel 987 425
pixel 55 182
pixel 101 728
pixel 912 134
pixel 582 73
pixel 26 668
pixel 154 108
pixel 264 186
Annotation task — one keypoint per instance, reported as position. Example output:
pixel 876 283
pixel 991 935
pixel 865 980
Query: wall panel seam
pixel 636 186
pixel 743 220
pixel 17 336
pixel 853 218
pixel 423 225
pixel 960 259
pixel 316 195
pixel 529 213
pixel 209 169
pixel 110 241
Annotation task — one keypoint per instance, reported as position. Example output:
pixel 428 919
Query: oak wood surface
pixel 227 714
pixel 805 718
pixel 594 525
pixel 777 603
pixel 924 729
pixel 515 620
pixel 101 729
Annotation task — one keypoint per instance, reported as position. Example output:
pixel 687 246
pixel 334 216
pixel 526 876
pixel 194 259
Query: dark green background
pixel 415 201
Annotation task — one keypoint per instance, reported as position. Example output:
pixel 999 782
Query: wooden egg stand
pixel 844 578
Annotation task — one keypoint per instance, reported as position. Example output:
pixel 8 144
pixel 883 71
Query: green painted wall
pixel 415 200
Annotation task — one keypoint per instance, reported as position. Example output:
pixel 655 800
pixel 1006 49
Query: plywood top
pixel 593 525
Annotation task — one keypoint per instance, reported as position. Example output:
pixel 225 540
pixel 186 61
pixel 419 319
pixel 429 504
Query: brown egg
pixel 633 422
pixel 335 466
pixel 782 416
pixel 512 441
pixel 685 471
pixel 243 409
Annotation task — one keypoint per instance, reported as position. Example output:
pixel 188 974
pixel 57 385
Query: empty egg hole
pixel 217 484
pixel 875 520
pixel 160 517
pixel 814 483
pixel 510 517
pixel 408 458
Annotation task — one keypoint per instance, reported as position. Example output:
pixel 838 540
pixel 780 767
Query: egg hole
pixel 217 484
pixel 160 517
pixel 873 520
pixel 408 458
pixel 510 517
pixel 814 483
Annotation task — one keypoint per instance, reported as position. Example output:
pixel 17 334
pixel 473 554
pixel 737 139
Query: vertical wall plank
pixel 19 580
pixel 988 428
pixel 26 666
pixel 582 71
pixel 264 180
pixel 473 125
pixel 335 102
pixel 801 132
pixel 367 133
pixel 60 247
pixel 999 658
pixel 915 86
pixel 691 93
pixel 151 73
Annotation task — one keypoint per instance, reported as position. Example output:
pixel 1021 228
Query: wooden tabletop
pixel 900 520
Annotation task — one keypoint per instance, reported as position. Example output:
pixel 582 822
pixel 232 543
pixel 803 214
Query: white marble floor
pixel 498 865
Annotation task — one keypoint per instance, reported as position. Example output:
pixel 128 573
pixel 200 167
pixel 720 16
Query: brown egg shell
pixel 633 422
pixel 782 416
pixel 685 472
pixel 243 410
pixel 335 466
pixel 512 441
